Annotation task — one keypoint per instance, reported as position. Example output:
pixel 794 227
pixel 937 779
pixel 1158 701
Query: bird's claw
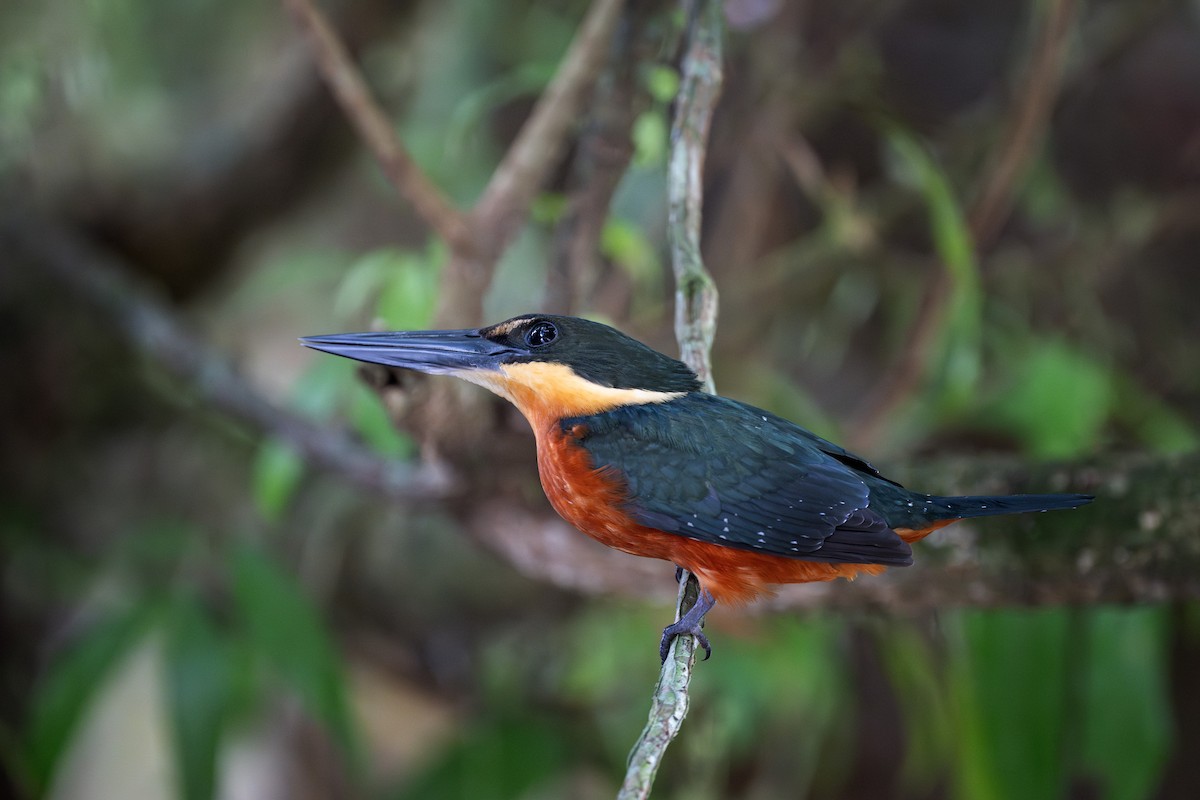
pixel 689 623
pixel 683 627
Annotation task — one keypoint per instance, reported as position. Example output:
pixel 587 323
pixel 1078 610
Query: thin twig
pixel 1026 126
pixel 695 325
pixel 696 294
pixel 600 161
pixel 992 206
pixel 361 108
pixel 154 330
pixel 668 706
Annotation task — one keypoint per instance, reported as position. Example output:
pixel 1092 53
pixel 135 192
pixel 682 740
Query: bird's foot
pixel 690 623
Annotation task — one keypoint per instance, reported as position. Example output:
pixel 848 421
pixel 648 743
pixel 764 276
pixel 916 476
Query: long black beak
pixel 425 351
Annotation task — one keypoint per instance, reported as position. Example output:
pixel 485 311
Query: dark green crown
pixel 594 351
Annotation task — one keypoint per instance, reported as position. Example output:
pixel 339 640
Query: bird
pixel 632 452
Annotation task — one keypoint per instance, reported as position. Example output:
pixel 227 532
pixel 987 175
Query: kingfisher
pixel 633 452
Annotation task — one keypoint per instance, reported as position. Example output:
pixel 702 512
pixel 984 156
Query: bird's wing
pixel 718 471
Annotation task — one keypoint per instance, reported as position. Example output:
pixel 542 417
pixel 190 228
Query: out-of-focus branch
pixel 506 199
pixel 1026 124
pixel 360 107
pixel 600 161
pixel 1016 148
pixel 151 328
pixel 534 152
pixel 695 326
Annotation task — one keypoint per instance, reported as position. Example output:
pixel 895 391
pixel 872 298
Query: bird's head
pixel 549 366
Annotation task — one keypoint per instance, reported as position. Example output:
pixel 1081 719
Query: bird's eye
pixel 540 334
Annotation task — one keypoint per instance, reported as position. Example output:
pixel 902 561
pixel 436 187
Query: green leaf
pixel 409 294
pixel 371 420
pixel 74 678
pixel 1009 684
pixel 363 281
pixel 284 629
pixel 626 244
pixel 321 388
pixel 200 686
pixel 496 759
pixel 277 472
pixel 399 286
pixel 1058 401
pixel 1158 426
pixel 662 82
pixel 470 113
pixel 548 207
pixel 650 138
pixel 1126 724
pixel 960 335
pixel 916 677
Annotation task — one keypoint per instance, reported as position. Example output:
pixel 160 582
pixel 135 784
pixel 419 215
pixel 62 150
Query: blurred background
pixel 943 232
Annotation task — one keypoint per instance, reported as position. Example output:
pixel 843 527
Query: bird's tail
pixel 988 505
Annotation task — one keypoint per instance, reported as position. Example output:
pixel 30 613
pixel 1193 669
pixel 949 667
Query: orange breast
pixel 591 500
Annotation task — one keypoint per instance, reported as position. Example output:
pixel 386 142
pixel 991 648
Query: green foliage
pixel 1152 421
pixel 915 673
pixel 548 208
pixel 1019 704
pixel 64 695
pixel 649 136
pixel 21 98
pixel 800 680
pixel 494 759
pixel 1008 682
pixel 1126 720
pixel 289 637
pixel 213 673
pixel 278 470
pixel 370 419
pixel 627 246
pixel 1041 698
pixel 1061 402
pixel 959 355
pixel 1058 401
pixel 477 106
pixel 402 285
pixel 662 82
pixel 201 682
pixel 651 127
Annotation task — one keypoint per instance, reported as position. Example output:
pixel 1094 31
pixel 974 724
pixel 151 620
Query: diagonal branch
pixel 1027 123
pixel 505 200
pixel 351 91
pixel 1016 148
pixel 695 325
pixel 152 329
pixel 535 151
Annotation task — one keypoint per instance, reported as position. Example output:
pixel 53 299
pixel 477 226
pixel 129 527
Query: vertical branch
pixel 695 292
pixel 695 325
